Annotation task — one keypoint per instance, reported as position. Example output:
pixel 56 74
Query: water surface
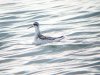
pixel 77 54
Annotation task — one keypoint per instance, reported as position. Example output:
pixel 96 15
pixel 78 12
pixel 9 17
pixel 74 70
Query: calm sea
pixel 77 54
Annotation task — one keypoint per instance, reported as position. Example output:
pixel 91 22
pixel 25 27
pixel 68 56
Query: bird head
pixel 34 24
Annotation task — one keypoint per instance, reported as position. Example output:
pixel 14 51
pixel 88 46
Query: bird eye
pixel 36 24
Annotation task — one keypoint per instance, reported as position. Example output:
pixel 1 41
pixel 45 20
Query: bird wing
pixel 46 38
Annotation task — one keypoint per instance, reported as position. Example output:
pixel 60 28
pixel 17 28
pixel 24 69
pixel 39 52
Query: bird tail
pixel 59 38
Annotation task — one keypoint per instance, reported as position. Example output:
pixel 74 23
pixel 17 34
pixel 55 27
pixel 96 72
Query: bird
pixel 41 39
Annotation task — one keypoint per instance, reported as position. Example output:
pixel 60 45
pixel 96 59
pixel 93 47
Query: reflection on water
pixel 77 54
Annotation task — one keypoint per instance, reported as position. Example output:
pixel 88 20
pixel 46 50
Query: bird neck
pixel 37 31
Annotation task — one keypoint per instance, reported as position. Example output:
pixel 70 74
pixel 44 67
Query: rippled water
pixel 77 54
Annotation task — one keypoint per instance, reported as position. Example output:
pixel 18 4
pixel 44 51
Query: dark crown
pixel 35 23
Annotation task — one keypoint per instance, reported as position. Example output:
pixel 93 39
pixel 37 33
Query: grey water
pixel 77 54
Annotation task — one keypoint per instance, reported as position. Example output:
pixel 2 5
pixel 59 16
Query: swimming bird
pixel 41 39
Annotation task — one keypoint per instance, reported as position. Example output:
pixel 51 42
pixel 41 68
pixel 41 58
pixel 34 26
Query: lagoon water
pixel 77 54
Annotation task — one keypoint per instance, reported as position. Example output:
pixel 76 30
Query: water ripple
pixel 77 54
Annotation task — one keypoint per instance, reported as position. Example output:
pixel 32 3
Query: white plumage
pixel 40 39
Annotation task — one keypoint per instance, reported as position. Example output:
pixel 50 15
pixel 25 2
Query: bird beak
pixel 30 27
